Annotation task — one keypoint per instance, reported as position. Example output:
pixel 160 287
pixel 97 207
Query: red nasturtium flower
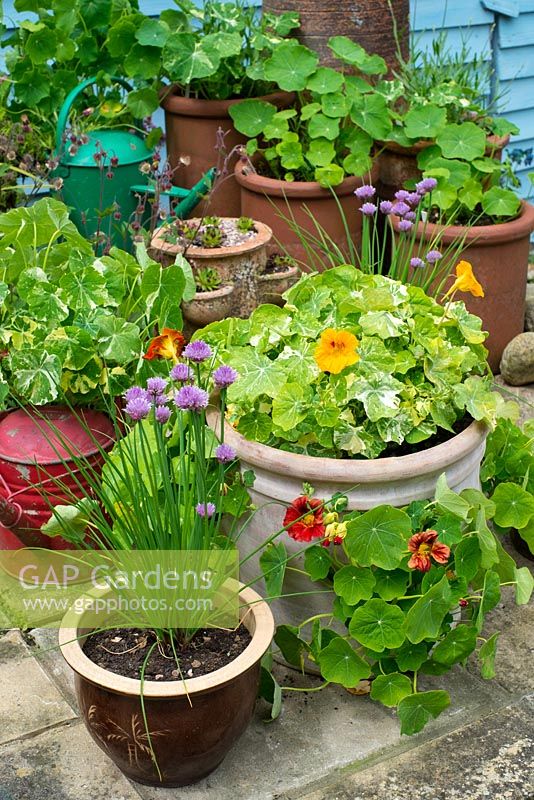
pixel 169 344
pixel 305 519
pixel 424 547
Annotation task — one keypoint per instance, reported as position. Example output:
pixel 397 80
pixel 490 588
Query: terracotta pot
pixel 239 265
pixel 272 286
pixel 369 22
pixel 191 127
pixel 398 164
pixel 499 255
pixel 207 307
pixel 192 724
pixel 275 201
pixel 366 483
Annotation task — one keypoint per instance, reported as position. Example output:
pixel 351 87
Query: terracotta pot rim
pixel 175 103
pixel 216 294
pixel 490 235
pixel 276 276
pixel 264 627
pixel 355 471
pixel 262 238
pixel 306 190
pixel 493 142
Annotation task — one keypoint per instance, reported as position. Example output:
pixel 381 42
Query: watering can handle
pixel 69 100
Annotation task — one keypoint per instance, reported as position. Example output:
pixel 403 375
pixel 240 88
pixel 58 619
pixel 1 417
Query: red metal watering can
pixel 35 446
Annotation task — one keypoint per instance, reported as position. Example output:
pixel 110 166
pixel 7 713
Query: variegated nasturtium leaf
pixel 291 405
pixel 464 140
pixel 256 426
pixel 514 506
pixel 290 66
pixel 36 376
pixel 118 340
pixel 486 656
pixel 257 375
pixel 415 710
pixel 378 625
pixel 391 689
pixel 424 122
pixel 186 58
pixel 379 395
pixel 378 537
pixel 456 646
pixel 425 617
pixel 354 584
pixel 339 663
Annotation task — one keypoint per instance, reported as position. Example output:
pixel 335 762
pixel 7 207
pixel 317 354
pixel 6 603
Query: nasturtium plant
pixel 73 325
pixel 329 133
pixel 356 366
pixel 417 612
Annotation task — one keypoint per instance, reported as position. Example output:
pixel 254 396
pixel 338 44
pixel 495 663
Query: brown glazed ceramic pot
pixel 238 266
pixel 398 164
pixel 368 22
pixel 275 202
pixel 189 739
pixel 499 255
pixel 191 127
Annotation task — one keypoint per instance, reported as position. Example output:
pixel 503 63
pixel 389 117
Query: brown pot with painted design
pixel 398 164
pixel 191 723
pixel 499 255
pixel 279 203
pixel 191 126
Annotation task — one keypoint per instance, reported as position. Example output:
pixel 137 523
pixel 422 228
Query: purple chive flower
pixel 138 408
pixel 182 373
pixel 197 351
pixel 405 225
pixel 162 414
pixel 426 185
pixel 205 510
pixel 413 199
pixel 161 400
pixel 433 256
pixel 224 376
pixel 156 386
pixel 191 398
pixel 417 263
pixel 410 216
pixel 224 454
pixel 134 393
pixel 402 195
pixel 365 192
pixel 368 209
pixel 400 208
pixel 386 207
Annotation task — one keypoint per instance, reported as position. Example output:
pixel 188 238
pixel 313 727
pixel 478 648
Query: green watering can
pixel 87 190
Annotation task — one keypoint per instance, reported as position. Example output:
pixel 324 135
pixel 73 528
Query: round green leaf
pixel 464 140
pixel 524 585
pixel 325 80
pixel 152 32
pixel 142 102
pixel 251 116
pixel 346 50
pixel 317 562
pixel 290 66
pixel 378 537
pixel 498 202
pixel 185 58
pixel 410 656
pixel 425 617
pixel 425 122
pixel 335 105
pixel 320 126
pixel 142 62
pixel 330 175
pixel 354 584
pixel 417 709
pixel 291 405
pixel 390 689
pixel 486 655
pixel 371 113
pixel 456 646
pixel 514 506
pixel 390 585
pixel 378 625
pixel 340 664
pixel 321 152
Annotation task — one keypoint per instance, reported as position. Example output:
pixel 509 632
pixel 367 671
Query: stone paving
pixel 328 745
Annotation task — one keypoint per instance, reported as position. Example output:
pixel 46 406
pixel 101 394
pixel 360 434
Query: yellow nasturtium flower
pixel 336 350
pixel 466 281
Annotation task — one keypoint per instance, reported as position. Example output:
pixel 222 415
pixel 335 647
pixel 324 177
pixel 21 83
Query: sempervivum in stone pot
pixel 360 385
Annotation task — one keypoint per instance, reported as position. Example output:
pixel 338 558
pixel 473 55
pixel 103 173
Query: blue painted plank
pixel 516 32
pixel 517 62
pixel 478 39
pixel 526 5
pixel 509 8
pixel 525 122
pixel 515 94
pixel 427 14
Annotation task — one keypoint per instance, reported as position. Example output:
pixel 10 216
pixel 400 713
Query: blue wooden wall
pixel 502 30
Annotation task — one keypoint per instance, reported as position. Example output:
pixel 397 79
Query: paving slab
pixel 320 733
pixel 491 758
pixel 29 701
pixel 523 394
pixel 63 764
pixel 43 643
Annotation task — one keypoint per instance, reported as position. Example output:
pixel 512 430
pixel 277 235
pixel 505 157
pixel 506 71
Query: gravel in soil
pixel 124 650
pixel 231 236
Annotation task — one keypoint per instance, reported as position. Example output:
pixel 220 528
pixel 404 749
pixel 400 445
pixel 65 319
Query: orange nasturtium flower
pixel 424 547
pixel 466 281
pixel 336 350
pixel 169 344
